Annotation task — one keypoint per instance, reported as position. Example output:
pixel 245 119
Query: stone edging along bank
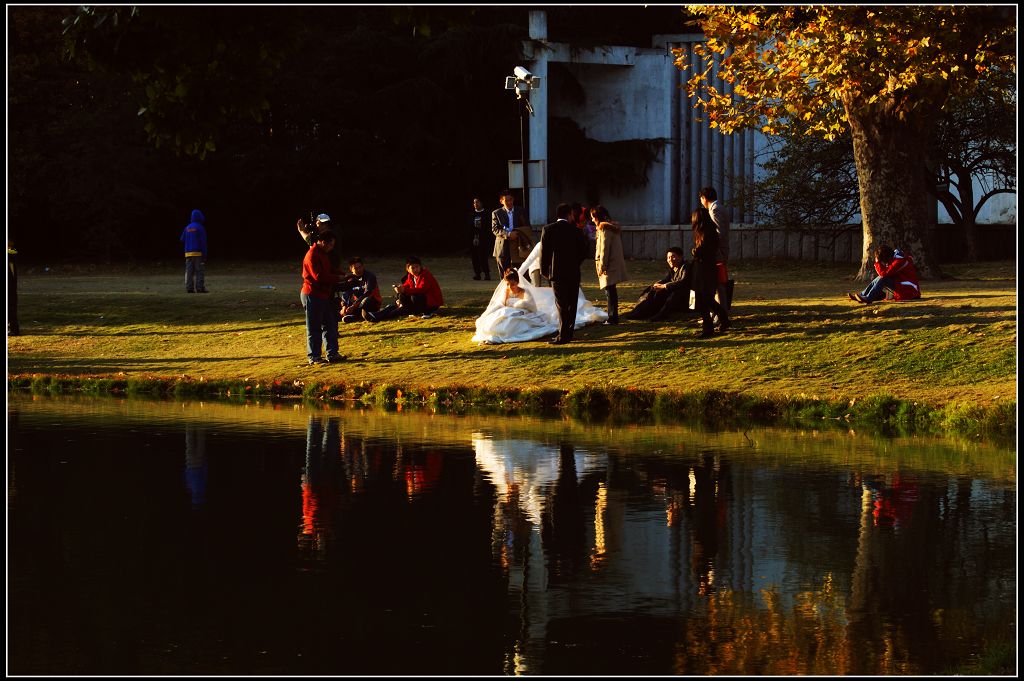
pixel 713 407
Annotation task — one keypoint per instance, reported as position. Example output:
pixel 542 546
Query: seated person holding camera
pixel 668 295
pixel 897 278
pixel 417 294
pixel 362 292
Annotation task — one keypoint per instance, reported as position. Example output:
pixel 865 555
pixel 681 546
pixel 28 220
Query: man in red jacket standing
pixel 896 276
pixel 318 280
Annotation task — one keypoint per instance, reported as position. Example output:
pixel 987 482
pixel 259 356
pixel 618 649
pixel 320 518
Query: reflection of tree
pixel 891 601
pixel 740 636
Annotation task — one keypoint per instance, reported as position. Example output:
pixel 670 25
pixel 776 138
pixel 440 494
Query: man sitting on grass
pixel 668 295
pixel 362 294
pixel 418 294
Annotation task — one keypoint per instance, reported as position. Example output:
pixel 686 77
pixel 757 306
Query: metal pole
pixel 522 157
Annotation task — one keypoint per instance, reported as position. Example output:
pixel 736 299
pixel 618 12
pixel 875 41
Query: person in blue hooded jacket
pixel 194 238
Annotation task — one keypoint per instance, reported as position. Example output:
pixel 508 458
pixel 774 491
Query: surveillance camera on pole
pixel 522 81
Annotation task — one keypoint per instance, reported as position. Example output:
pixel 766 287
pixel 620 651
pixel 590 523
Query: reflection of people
pixel 608 259
pixel 195 463
pixel 710 487
pixel 13 329
pixel 897 277
pixel 668 295
pixel 563 529
pixel 892 505
pixel 194 239
pixel 318 280
pixel 511 228
pixel 481 241
pixel 563 248
pixel 321 483
pixel 705 273
pixel 533 317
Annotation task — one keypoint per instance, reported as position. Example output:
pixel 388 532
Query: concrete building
pixel 633 93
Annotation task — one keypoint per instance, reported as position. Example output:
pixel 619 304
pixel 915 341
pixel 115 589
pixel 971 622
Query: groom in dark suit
pixel 563 247
pixel 504 223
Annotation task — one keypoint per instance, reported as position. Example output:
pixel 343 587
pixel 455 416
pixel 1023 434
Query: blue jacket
pixel 194 236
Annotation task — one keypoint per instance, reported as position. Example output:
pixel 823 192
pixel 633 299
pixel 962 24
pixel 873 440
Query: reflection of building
pixel 625 94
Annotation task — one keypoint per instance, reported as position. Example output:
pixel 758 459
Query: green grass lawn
pixel 794 334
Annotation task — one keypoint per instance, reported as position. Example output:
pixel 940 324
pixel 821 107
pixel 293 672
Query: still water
pixel 195 538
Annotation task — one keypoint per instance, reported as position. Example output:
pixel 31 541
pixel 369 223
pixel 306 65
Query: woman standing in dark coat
pixel 705 274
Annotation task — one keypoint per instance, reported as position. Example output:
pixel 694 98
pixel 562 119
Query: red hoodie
pixel 424 285
pixel 903 274
pixel 317 278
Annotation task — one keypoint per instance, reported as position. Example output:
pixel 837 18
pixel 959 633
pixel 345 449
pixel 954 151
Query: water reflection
pixel 705 565
pixel 196 470
pixel 335 542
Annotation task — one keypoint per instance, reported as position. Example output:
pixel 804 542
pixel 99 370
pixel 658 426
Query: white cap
pixel 323 217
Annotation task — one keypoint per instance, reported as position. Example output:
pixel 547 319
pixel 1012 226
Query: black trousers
pixel 566 301
pixel 661 304
pixel 481 256
pixel 613 303
pixel 415 304
pixel 707 305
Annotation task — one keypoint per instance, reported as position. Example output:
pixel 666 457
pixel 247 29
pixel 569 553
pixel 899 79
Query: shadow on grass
pixel 99 333
pixel 54 364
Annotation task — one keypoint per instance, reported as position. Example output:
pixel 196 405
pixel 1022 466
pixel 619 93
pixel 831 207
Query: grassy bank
pixel 798 347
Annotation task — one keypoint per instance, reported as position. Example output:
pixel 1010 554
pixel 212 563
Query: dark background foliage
pixel 390 119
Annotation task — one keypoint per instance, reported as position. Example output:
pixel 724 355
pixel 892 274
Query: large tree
pixel 881 72
pixel 976 142
pixel 810 183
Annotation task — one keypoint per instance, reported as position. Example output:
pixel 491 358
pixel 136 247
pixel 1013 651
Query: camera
pixel 522 74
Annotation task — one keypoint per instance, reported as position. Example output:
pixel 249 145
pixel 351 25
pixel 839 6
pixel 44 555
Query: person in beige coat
pixel 608 258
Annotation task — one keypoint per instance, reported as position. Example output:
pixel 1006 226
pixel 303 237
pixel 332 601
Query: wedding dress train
pixel 530 317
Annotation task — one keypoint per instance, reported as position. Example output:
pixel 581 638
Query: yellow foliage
pixel 807 59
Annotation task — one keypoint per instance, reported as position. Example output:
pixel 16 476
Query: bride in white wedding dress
pixel 519 311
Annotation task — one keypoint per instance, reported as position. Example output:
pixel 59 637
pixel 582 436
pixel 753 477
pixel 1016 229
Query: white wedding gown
pixel 531 317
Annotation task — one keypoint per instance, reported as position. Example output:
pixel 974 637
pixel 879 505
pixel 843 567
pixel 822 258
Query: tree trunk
pixel 890 154
pixel 965 188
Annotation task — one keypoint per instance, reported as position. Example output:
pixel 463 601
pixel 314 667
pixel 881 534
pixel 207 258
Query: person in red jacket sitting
pixel 418 294
pixel 897 277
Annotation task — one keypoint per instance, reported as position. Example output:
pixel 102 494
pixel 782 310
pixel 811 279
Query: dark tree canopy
pixel 262 114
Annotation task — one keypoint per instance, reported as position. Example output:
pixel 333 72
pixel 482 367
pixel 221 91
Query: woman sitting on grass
pixel 897 277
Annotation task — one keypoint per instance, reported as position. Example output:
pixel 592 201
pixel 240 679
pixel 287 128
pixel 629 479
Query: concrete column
pixel 540 212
